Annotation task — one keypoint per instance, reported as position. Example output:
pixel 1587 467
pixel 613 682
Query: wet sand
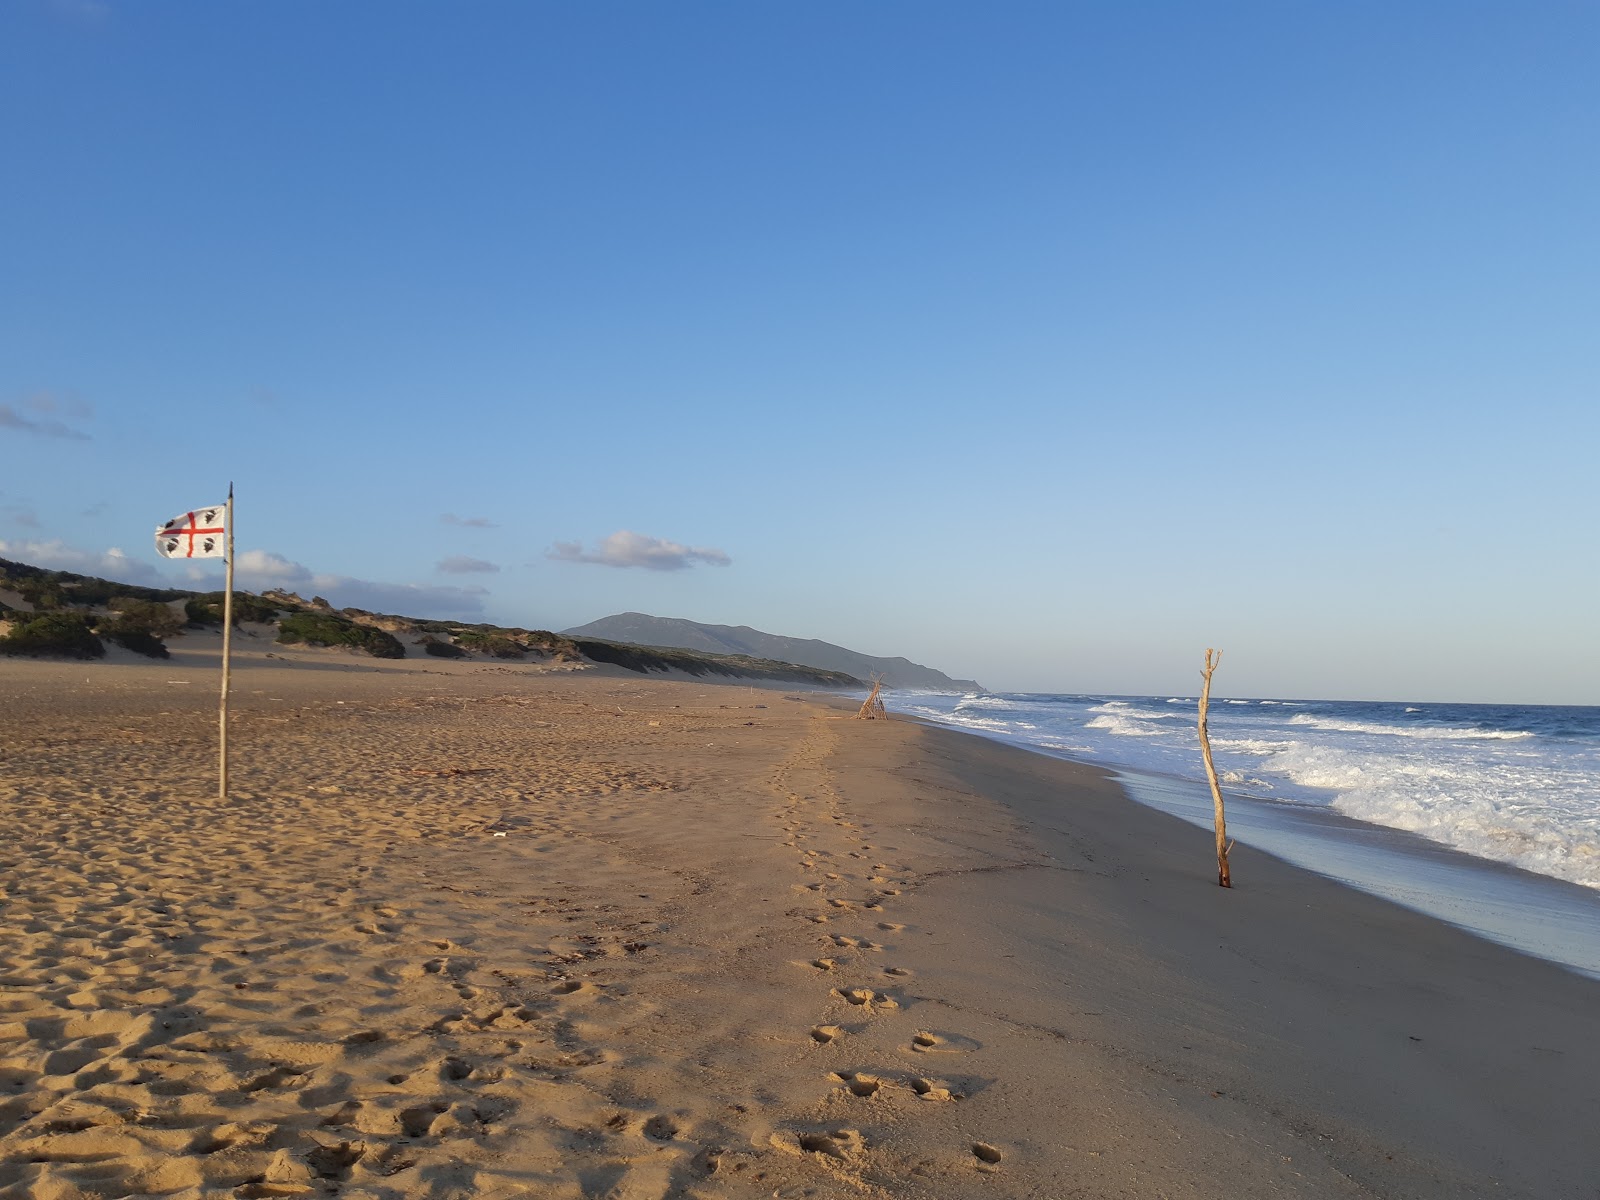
pixel 482 931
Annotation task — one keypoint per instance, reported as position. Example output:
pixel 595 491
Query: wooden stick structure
pixel 1223 844
pixel 872 707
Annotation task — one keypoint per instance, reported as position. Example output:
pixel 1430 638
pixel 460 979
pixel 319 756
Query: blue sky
pixel 1043 343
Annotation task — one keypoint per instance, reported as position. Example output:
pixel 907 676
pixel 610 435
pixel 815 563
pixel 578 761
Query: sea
pixel 1483 815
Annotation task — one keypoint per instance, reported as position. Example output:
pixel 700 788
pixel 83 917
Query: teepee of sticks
pixel 872 706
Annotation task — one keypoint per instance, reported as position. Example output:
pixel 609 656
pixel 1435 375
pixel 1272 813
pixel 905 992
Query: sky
pixel 1047 344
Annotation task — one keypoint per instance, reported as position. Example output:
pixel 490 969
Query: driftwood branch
pixel 1224 846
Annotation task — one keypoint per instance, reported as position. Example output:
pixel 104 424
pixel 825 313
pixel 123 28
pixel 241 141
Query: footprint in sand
pixel 843 1144
pixel 899 972
pixel 417 1122
pixel 824 1034
pixel 661 1129
pixel 988 1156
pixel 890 927
pixel 866 998
pixel 824 964
pixel 927 1042
pixel 931 1089
pixel 858 1084
pixel 855 943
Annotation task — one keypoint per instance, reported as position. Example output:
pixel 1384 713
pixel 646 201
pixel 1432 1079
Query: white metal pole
pixel 227 648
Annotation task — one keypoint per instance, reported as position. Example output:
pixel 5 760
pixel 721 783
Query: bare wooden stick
pixel 1223 844
pixel 227 656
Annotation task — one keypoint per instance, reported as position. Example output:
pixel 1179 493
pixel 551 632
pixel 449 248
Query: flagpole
pixel 227 647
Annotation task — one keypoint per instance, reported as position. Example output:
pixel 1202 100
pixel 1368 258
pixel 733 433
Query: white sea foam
pixel 1529 815
pixel 1251 745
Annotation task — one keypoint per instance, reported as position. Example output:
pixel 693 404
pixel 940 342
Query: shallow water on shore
pixel 1548 918
pixel 1484 816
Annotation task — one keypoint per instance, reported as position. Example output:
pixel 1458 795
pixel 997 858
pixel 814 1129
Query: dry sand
pixel 730 944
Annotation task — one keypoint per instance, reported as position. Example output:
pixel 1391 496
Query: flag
pixel 198 534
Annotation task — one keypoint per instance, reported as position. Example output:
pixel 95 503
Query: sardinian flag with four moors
pixel 198 534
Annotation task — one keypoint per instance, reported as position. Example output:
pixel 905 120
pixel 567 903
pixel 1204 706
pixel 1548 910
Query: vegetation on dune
pixel 329 629
pixel 139 625
pixel 207 609
pixel 59 589
pixel 694 662
pixel 139 641
pixel 500 641
pixel 433 646
pixel 64 634
pixel 496 645
pixel 130 614
pixel 141 617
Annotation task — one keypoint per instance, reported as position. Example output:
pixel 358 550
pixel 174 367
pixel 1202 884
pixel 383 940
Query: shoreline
pixel 1538 915
pixel 1292 993
pixel 490 932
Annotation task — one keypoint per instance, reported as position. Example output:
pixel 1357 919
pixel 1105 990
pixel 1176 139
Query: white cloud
pixel 628 549
pixel 48 422
pixel 258 570
pixel 274 569
pixel 468 522
pixel 58 556
pixel 461 564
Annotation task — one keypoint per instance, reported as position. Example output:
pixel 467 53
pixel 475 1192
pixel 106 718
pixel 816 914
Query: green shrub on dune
pixel 207 609
pixel 329 629
pixel 497 645
pixel 139 641
pixel 139 625
pixel 130 614
pixel 56 633
pixel 46 595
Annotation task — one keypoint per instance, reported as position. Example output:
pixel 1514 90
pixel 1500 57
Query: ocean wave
pixel 982 700
pixel 1440 732
pixel 1120 725
pixel 1128 709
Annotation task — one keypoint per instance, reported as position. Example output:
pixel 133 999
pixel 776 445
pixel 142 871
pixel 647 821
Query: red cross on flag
pixel 197 534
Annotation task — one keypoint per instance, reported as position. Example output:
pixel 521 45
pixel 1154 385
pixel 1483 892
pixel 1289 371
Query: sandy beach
pixel 469 931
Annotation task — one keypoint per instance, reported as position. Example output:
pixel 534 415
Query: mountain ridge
pixel 680 633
